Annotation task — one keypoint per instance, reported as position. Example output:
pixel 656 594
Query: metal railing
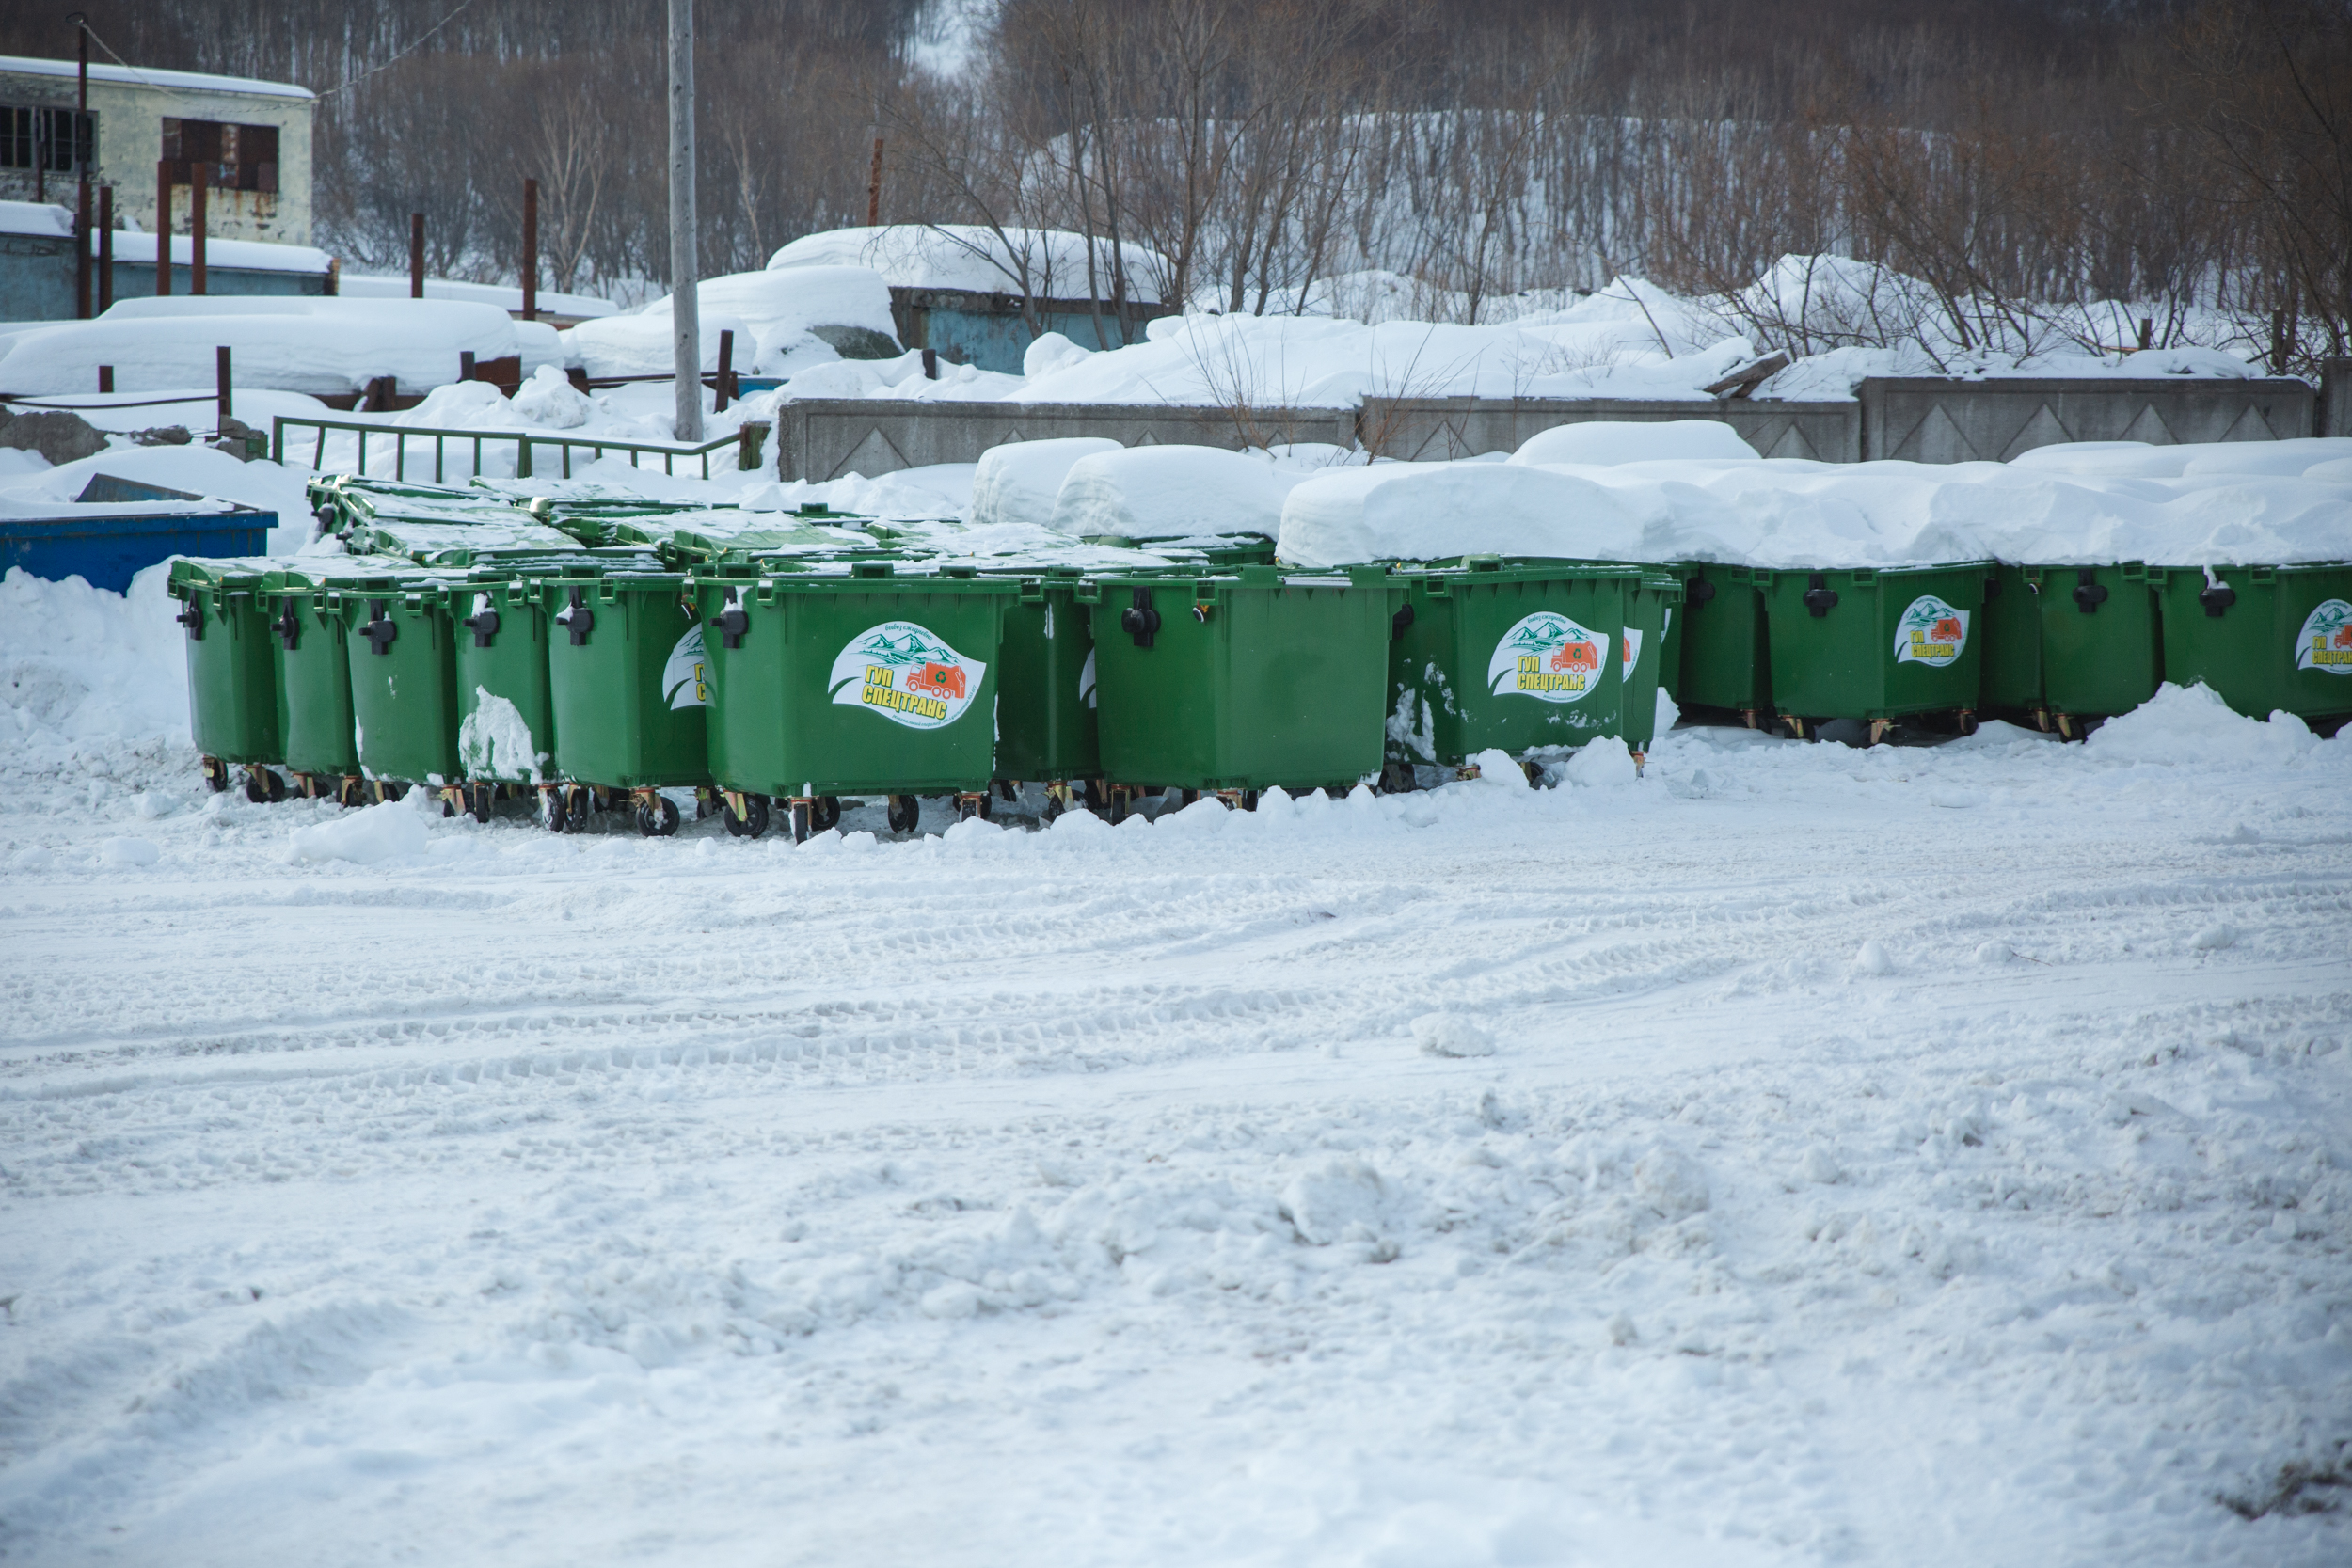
pixel 746 442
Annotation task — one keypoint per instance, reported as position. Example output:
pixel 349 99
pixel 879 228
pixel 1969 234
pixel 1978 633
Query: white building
pixel 252 138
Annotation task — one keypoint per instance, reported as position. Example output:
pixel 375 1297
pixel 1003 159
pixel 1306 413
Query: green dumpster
pixel 2267 637
pixel 2011 630
pixel 1046 699
pixel 1237 681
pixel 1518 654
pixel 235 704
pixel 1724 656
pixel 865 677
pixel 1875 644
pixel 628 683
pixel 305 622
pixel 402 649
pixel 2101 645
pixel 458 542
pixel 505 714
pixel 1220 550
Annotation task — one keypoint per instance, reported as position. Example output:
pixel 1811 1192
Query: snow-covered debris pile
pixel 1172 491
pixel 326 347
pixel 506 297
pixel 1018 481
pixel 1046 263
pixel 782 321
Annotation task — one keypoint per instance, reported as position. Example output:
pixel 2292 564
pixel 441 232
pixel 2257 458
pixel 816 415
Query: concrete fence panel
pixel 822 438
pixel 1933 420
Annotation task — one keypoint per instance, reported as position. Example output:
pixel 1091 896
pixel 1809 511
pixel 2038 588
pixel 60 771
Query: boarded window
pixel 46 139
pixel 236 157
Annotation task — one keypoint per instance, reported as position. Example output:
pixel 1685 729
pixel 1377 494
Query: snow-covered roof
pixel 36 218
pixel 974 257
pixel 250 255
pixel 506 297
pixel 141 77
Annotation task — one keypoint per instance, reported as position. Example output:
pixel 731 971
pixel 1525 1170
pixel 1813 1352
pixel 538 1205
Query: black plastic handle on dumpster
pixel 1821 598
pixel 2089 593
pixel 1399 622
pixel 288 628
pixel 192 617
pixel 484 624
pixel 579 620
pixel 2217 597
pixel 1139 620
pixel 1697 592
pixel 731 622
pixel 381 631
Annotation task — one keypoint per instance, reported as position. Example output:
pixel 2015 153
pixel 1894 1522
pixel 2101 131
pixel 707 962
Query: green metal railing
pixel 747 444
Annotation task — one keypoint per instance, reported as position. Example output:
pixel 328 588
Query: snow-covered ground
pixel 1798 1155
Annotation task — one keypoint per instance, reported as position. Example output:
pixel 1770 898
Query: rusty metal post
pixel 873 186
pixel 531 251
pixel 220 377
pixel 105 378
pixel 415 256
pixel 105 248
pixel 196 181
pixel 726 365
pixel 81 255
pixel 464 364
pixel 80 169
pixel 163 228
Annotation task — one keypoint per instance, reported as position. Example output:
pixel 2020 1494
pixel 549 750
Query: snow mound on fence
pixel 643 345
pixel 1171 492
pixel 1608 441
pixel 1019 482
pixel 326 347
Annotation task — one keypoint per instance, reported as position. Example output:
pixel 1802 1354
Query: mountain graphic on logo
pixel 907 648
pixel 1537 635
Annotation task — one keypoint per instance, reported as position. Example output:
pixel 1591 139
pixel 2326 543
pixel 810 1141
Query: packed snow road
pixel 1801 1155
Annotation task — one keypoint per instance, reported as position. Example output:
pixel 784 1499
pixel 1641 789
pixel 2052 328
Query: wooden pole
pixel 196 172
pixel 415 256
pixel 685 272
pixel 220 379
pixel 873 187
pixel 105 248
pixel 726 365
pixel 531 251
pixel 162 230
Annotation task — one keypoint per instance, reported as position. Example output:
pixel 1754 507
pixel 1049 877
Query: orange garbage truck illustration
pixel 937 680
pixel 1947 629
pixel 1576 655
pixel 2343 636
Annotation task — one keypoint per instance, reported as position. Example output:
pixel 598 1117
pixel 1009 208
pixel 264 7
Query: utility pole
pixel 531 251
pixel 685 275
pixel 81 161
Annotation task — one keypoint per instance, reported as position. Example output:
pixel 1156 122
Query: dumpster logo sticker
pixel 1931 632
pixel 1549 658
pixel 686 678
pixel 2326 642
pixel 1632 650
pixel 1085 679
pixel 907 675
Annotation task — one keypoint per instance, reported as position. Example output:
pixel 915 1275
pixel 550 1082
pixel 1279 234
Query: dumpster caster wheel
pixel 1535 771
pixel 706 801
pixel 1396 778
pixel 1879 728
pixel 746 816
pixel 551 810
pixel 1115 803
pixel 1967 722
pixel 388 791
pixel 601 799
pixel 970 806
pixel 657 817
pixel 216 774
pixel 1058 799
pixel 906 814
pixel 826 813
pixel 1008 790
pixel 578 800
pixel 1185 797
pixel 264 788
pixel 482 803
pixel 1092 793
pixel 348 792
pixel 796 815
pixel 2065 726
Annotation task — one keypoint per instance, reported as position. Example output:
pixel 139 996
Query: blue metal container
pixel 109 552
